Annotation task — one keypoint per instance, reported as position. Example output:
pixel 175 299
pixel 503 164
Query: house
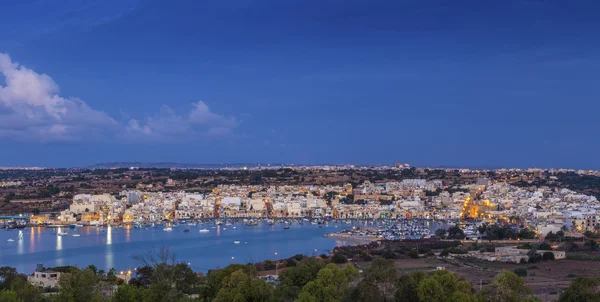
pixel 45 278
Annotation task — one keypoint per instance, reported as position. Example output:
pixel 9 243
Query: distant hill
pixel 168 165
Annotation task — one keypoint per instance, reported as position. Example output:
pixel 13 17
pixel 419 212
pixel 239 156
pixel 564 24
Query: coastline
pixel 354 240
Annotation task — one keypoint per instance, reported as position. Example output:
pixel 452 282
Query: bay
pixel 108 247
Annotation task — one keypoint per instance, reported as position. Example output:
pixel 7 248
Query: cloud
pixel 32 109
pixel 169 125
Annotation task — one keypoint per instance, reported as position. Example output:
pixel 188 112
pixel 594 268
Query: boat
pixel 204 231
pixel 234 228
pixel 72 226
pixel 62 234
pixel 287 227
pixel 167 229
pixel 186 230
pixel 10 240
pixel 224 229
pixel 76 235
pixel 252 223
pixel 236 242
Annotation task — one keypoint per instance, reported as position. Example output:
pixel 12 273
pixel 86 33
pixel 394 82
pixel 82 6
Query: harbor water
pixel 108 247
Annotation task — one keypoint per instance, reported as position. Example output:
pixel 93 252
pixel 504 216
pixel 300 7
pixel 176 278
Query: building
pixel 46 278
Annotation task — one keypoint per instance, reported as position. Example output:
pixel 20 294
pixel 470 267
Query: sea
pixel 117 247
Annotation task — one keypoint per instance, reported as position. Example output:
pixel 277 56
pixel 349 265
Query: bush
pixel 523 261
pixel 269 265
pixel 324 256
pixel 339 258
pixel 413 254
pixel 444 253
pixel 389 254
pixel 544 247
pixel 522 272
pixel 582 257
pixel 548 256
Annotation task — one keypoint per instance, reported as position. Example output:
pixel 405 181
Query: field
pixel 547 278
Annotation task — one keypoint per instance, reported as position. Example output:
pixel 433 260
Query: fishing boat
pixel 204 231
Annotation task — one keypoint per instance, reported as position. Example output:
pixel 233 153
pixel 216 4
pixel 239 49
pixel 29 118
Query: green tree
pixel 79 286
pixel 111 276
pixel 294 278
pixel 25 290
pixel 407 287
pixel 339 258
pixel 9 296
pixel 582 289
pixel 508 287
pixel 440 233
pixel 128 293
pixel 330 285
pixel 240 287
pixel 379 281
pixel 215 278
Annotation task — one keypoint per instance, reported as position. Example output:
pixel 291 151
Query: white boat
pixel 10 240
pixel 236 242
pixel 62 234
pixel 234 228
pixel 204 231
pixel 224 229
pixel 76 235
pixel 167 229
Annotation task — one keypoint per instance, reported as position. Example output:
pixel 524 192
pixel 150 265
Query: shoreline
pixel 350 239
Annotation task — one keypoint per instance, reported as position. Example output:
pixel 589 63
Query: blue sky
pixel 458 83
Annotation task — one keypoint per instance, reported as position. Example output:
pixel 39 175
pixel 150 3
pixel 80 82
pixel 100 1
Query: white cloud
pixel 169 125
pixel 32 109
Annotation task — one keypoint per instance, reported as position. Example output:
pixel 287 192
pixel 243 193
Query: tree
pixel 93 268
pixel 582 289
pixel 525 233
pixel 544 247
pixel 521 272
pixel 7 275
pixel 592 244
pixel 339 258
pixel 215 278
pixel 548 256
pixel 456 232
pixel 407 287
pixel 240 287
pixel 128 293
pixel 330 285
pixel 112 275
pixel 9 296
pixel 508 287
pixel 382 276
pixel 440 233
pixel 25 290
pixel 78 286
